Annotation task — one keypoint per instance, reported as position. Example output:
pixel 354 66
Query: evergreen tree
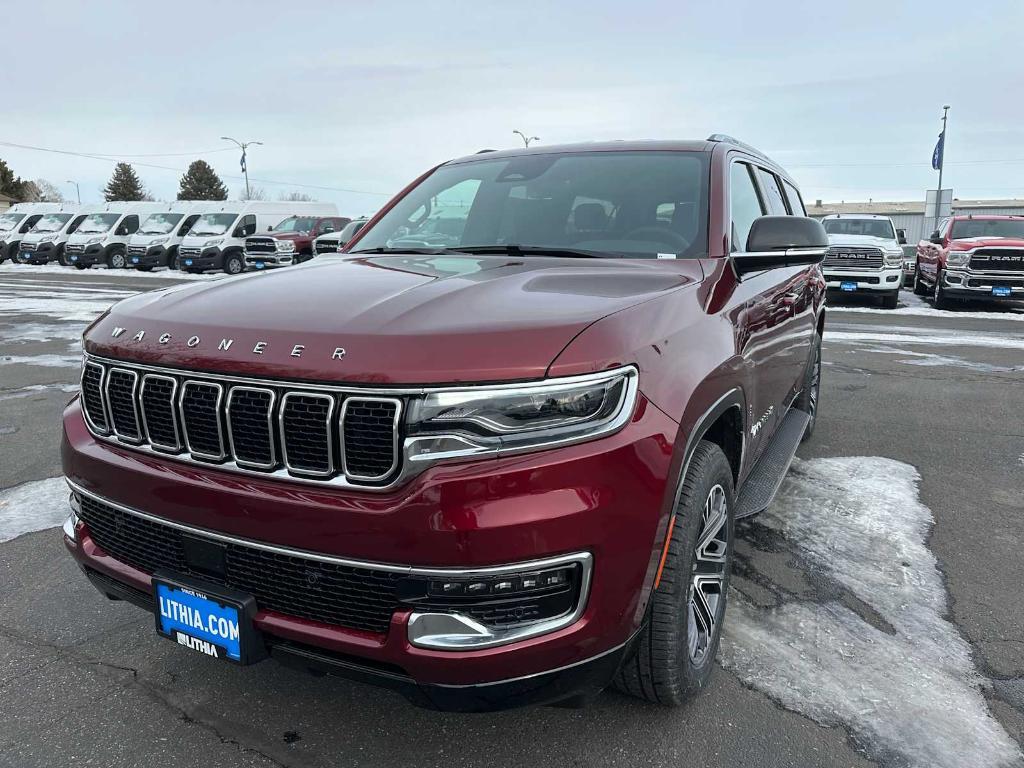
pixel 11 185
pixel 201 182
pixel 124 185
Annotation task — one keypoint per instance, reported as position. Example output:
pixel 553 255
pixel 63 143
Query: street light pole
pixel 245 166
pixel 942 162
pixel 527 140
pixel 78 192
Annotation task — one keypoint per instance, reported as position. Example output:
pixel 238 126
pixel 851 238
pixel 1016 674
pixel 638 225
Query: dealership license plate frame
pixel 848 285
pixel 1002 291
pixel 250 642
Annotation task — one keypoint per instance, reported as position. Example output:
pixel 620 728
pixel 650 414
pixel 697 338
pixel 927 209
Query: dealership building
pixel 910 215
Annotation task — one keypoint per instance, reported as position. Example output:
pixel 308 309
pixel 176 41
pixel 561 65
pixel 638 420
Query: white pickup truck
pixel 864 256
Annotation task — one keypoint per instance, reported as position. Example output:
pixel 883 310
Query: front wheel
pixel 233 264
pixel 920 289
pixel 807 400
pixel 891 300
pixel 62 257
pixel 116 259
pixel 939 300
pixel 80 266
pixel 674 654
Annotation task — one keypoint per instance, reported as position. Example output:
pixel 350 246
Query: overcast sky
pixel 365 96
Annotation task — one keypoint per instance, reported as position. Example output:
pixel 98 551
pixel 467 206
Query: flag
pixel 937 154
pixel 242 161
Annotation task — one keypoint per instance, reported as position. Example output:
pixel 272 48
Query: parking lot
pixel 876 616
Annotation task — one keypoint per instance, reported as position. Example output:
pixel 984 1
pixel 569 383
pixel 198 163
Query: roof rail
pixel 485 151
pixel 725 138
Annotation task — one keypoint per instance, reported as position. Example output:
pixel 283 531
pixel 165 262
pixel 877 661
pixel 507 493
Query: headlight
pixel 49 238
pixel 894 258
pixel 159 240
pixel 94 241
pixel 285 245
pixel 479 420
pixel 211 243
pixel 958 258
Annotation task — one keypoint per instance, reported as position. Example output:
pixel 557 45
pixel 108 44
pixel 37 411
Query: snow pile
pixel 104 273
pixel 919 307
pixel 944 339
pixel 912 692
pixel 32 507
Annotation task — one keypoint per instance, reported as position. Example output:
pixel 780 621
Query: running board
pixel 765 478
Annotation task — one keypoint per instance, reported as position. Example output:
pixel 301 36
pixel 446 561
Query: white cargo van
pixel 156 243
pixel 16 221
pixel 217 240
pixel 102 238
pixel 45 241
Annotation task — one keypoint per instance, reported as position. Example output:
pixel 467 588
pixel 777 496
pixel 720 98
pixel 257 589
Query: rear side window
pixel 776 203
pixel 744 204
pixel 796 204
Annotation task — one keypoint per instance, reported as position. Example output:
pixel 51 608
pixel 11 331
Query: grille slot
pixel 124 413
pixel 158 412
pixel 369 428
pixel 348 596
pixel 250 431
pixel 306 438
pixel 92 398
pixel 199 406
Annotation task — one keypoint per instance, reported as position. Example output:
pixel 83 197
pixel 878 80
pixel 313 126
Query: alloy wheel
pixel 708 576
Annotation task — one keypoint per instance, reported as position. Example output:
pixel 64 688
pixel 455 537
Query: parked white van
pixel 156 243
pixel 45 241
pixel 217 240
pixel 16 221
pixel 102 238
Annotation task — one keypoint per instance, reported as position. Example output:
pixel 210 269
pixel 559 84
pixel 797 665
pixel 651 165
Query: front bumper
pixel 997 286
pixel 208 258
pixel 152 256
pixel 607 498
pixel 90 255
pixel 879 280
pixel 9 250
pixel 37 253
pixel 269 260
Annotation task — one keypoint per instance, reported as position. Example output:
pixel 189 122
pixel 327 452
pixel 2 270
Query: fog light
pixel 495 606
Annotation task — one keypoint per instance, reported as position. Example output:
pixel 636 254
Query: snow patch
pixel 918 307
pixel 32 507
pixel 14 394
pixel 102 273
pixel 858 522
pixel 947 340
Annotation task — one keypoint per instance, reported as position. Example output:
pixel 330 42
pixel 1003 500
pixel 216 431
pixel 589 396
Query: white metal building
pixel 910 215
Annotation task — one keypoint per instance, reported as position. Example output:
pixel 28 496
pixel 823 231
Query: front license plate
pixel 74 258
pixel 1001 290
pixel 202 621
pixel 260 265
pixel 846 285
pixel 188 262
pixel 135 259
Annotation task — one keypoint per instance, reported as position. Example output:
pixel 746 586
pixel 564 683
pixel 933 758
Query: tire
pixel 172 259
pixel 117 259
pixel 920 289
pixel 233 264
pixel 891 300
pixel 80 266
pixel 810 396
pixel 939 300
pixel 674 654
pixel 144 269
pixel 62 258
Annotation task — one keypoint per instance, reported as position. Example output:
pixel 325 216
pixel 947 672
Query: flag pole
pixel 942 162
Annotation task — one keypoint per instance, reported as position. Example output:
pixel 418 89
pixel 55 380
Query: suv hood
pixel 398 319
pixel 866 241
pixel 968 243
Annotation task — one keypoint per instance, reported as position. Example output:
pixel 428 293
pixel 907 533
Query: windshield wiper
pixel 415 250
pixel 533 250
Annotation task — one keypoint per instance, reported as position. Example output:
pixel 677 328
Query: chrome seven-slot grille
pixel 848 257
pixel 252 426
pixel 998 259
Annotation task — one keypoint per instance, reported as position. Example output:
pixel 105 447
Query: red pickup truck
pixel 500 471
pixel 972 257
pixel 290 242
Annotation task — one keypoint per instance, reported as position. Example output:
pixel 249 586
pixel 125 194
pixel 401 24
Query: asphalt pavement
pixel 84 681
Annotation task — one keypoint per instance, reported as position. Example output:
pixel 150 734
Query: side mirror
pixel 270 229
pixel 782 241
pixel 901 236
pixel 935 238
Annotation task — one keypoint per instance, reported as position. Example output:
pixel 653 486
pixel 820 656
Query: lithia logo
pixel 759 424
pixel 222 346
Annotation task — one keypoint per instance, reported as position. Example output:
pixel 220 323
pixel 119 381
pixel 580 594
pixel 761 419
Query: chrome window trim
pixel 184 423
pixel 270 428
pixel 176 448
pixel 103 399
pixel 320 557
pixel 135 405
pixel 328 422
pixel 396 441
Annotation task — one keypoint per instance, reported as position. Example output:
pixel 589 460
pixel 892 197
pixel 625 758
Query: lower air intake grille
pixel 347 596
pixel 200 413
pixel 369 431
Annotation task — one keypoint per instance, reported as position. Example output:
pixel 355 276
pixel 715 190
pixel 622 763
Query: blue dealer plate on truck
pixel 1001 290
pixel 201 617
pixel 847 285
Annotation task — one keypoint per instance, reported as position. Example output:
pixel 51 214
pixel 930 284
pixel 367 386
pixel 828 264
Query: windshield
pixel 869 227
pixel 296 224
pixel 617 204
pixel 98 222
pixel 52 222
pixel 160 223
pixel 964 228
pixel 213 224
pixel 10 220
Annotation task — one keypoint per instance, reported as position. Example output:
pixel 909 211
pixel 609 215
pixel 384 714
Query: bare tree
pixel 42 191
pixel 296 197
pixel 255 193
